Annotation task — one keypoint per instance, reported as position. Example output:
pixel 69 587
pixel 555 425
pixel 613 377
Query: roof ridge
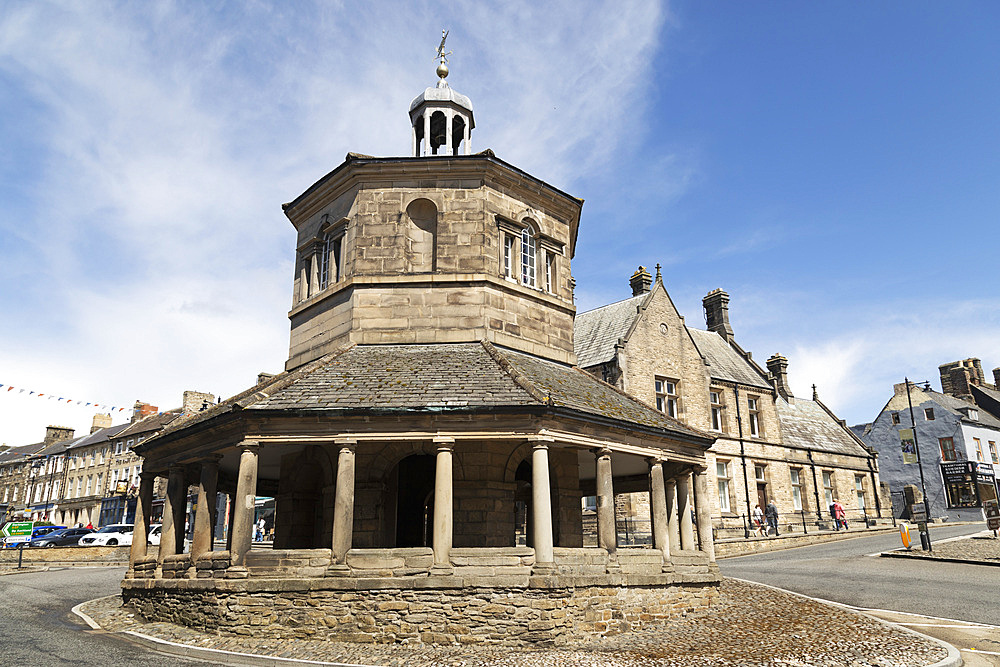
pixel 517 376
pixel 613 303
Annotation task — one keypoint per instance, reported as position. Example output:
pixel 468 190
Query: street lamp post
pixel 925 535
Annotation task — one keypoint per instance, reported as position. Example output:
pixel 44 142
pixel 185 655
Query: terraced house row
pixel 92 479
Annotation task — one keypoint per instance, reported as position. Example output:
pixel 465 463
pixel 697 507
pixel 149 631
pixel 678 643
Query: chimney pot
pixel 777 366
pixel 195 401
pixel 996 378
pixel 640 281
pixel 716 304
pixel 100 421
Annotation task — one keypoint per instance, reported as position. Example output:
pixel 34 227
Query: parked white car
pixel 154 534
pixel 113 535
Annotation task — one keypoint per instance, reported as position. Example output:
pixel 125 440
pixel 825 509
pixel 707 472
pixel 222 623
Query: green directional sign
pixel 17 529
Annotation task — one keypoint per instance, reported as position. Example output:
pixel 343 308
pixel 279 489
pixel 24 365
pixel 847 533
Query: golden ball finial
pixel 442 70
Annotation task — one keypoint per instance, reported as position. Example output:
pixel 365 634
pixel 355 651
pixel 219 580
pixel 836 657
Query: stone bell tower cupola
pixel 442 119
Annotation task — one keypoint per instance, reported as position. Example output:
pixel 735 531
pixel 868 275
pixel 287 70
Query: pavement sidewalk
pixel 979 549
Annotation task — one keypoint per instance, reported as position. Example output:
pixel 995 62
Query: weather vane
pixel 440 50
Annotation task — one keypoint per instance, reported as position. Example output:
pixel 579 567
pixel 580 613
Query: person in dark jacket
pixel 771 514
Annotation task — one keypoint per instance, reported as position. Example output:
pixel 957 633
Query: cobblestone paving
pixel 980 548
pixel 752 625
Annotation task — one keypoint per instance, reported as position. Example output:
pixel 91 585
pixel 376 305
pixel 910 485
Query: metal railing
pixel 803 522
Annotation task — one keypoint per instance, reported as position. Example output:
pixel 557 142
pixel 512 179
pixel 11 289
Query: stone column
pixel 343 503
pixel 443 514
pixel 415 145
pixel 704 509
pixel 607 537
pixel 172 534
pixel 230 519
pixel 246 493
pixel 541 505
pixel 207 484
pixel 468 138
pixel 673 521
pixel 684 511
pixel 143 508
pixel 658 507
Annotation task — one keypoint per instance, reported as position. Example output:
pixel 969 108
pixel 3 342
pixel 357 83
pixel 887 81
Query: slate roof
pixel 724 362
pixel 147 424
pixel 958 406
pixel 21 453
pixel 596 332
pixel 99 436
pixel 440 378
pixel 806 424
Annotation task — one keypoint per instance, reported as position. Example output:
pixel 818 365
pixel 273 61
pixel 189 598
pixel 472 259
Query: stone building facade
pixel 32 471
pixel 957 437
pixel 770 444
pixel 430 439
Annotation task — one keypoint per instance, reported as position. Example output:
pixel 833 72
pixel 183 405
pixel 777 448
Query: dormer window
pixel 973 415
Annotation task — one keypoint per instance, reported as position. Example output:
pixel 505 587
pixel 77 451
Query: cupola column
pixel 443 510
pixel 427 134
pixel 607 537
pixel 673 521
pixel 447 132
pixel 343 508
pixel 703 508
pixel 684 510
pixel 541 504
pixel 143 509
pixel 246 493
pixel 658 507
pixel 203 518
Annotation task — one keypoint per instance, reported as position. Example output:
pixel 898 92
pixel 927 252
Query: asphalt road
pixel 38 629
pixel 845 572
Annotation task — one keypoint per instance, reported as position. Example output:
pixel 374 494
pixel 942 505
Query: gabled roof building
pixel 770 444
pixel 956 435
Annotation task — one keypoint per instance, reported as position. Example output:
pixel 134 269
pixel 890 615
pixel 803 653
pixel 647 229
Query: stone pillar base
pixel 338 570
pixel 442 571
pixel 237 572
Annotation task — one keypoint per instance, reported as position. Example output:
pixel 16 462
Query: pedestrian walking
pixel 758 520
pixel 260 530
pixel 771 514
pixel 839 515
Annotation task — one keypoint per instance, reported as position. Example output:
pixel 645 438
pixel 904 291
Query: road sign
pixel 15 539
pixel 17 529
pixel 918 512
pixel 991 510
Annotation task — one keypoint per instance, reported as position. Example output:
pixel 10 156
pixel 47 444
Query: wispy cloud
pixel 145 235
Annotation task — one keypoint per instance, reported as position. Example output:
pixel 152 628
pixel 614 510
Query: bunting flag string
pixel 106 407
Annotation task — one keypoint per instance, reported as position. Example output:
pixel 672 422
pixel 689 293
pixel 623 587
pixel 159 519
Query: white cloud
pixel 148 242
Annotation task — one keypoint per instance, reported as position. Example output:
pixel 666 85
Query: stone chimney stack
pixel 956 376
pixel 100 421
pixel 142 410
pixel 263 377
pixel 996 378
pixel 640 281
pixel 777 366
pixel 196 401
pixel 716 305
pixel 57 433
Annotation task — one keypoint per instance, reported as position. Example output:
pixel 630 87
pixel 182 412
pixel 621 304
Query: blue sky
pixel 833 166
